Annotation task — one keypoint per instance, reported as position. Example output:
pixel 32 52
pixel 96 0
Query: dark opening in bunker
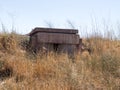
pixel 55 47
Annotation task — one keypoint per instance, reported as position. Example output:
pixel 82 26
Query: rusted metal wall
pixel 58 40
pixel 65 48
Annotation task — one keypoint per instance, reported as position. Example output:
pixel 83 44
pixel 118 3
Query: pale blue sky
pixel 28 14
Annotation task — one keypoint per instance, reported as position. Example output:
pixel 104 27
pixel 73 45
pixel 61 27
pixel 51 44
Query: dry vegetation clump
pixel 7 43
pixel 99 70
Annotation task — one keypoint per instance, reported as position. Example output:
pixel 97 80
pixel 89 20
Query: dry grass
pixel 98 71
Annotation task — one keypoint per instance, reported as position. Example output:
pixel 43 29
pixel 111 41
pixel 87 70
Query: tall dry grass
pixel 99 70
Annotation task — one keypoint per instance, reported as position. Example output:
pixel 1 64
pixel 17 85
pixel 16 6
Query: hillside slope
pixel 22 70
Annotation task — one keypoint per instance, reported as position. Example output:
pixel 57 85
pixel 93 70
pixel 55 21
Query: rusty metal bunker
pixel 54 39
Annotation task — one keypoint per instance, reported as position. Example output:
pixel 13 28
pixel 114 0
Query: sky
pixel 25 15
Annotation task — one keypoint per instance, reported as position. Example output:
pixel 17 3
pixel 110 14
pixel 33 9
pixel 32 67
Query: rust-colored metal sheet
pixel 54 30
pixel 58 38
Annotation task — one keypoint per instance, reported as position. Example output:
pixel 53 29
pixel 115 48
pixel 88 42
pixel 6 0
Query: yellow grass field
pixel 22 70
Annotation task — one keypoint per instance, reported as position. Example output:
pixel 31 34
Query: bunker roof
pixel 53 30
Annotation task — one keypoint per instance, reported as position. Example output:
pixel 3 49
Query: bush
pixel 8 43
pixel 5 70
pixel 109 64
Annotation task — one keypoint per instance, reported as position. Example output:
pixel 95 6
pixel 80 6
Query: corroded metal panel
pixel 67 48
pixel 58 38
pixel 53 39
